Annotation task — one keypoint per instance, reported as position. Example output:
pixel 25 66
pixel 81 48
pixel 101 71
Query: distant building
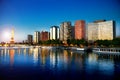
pixel 44 36
pixel 101 30
pixel 65 31
pixel 54 33
pixel 80 29
pixel 30 39
pixel 36 37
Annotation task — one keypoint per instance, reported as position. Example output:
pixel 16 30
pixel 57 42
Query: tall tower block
pixel 80 29
pixel 12 37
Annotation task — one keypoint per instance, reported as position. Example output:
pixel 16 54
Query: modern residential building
pixel 65 31
pixel 30 39
pixel 101 30
pixel 36 37
pixel 44 36
pixel 54 33
pixel 79 29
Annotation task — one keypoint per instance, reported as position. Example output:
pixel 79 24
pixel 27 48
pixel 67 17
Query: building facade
pixel 73 32
pixel 101 30
pixel 44 36
pixel 54 33
pixel 65 31
pixel 79 29
pixel 36 37
pixel 30 39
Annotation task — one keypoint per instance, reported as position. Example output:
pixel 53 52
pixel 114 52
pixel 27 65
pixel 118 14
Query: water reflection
pixel 106 67
pixel 11 53
pixel 44 53
pixel 35 55
pixel 53 59
pixel 97 64
pixel 59 61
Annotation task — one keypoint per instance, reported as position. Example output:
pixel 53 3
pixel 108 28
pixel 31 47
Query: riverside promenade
pixel 94 50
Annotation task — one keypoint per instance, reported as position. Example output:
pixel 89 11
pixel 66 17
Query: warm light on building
pixel 36 37
pixel 44 36
pixel 12 37
pixel 101 30
pixel 65 31
pixel 54 32
pixel 80 29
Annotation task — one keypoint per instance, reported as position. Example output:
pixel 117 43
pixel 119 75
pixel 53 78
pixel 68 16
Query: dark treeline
pixel 80 43
pixel 108 43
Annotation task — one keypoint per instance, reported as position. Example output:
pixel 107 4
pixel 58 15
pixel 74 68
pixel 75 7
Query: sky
pixel 27 16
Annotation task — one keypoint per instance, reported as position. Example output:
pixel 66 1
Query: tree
pixel 116 42
pixel 68 42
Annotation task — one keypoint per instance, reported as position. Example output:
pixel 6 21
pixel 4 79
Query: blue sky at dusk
pixel 27 16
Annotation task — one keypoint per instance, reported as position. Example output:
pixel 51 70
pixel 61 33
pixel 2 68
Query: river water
pixel 57 64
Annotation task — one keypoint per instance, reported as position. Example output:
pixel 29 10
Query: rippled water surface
pixel 50 64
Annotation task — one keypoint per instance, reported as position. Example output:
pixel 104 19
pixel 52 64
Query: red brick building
pixel 44 36
pixel 80 29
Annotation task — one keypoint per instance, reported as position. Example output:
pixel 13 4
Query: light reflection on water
pixel 57 61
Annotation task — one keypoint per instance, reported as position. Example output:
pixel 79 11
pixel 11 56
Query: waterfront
pixel 52 63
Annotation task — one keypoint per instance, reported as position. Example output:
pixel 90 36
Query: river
pixel 57 64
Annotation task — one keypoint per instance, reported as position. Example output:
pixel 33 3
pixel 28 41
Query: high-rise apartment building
pixel 54 33
pixel 65 31
pixel 79 29
pixel 44 36
pixel 36 37
pixel 101 30
pixel 30 39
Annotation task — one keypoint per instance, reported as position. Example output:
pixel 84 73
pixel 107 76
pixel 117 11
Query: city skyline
pixel 27 16
pixel 67 27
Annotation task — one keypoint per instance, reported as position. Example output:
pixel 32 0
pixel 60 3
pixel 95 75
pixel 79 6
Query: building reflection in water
pixel 44 53
pixel 1 52
pixel 79 61
pixel 96 62
pixel 35 55
pixel 5 51
pixel 92 58
pixel 65 52
pixel 30 51
pixel 24 51
pixel 52 58
pixel 61 60
pixel 106 67
pixel 55 56
pixel 91 63
pixel 11 54
pixel 65 58
pixel 106 64
pixel 18 51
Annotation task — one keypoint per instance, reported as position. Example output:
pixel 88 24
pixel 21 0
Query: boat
pixel 81 49
pixel 107 50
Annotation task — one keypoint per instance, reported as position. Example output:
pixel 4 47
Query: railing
pixel 107 50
